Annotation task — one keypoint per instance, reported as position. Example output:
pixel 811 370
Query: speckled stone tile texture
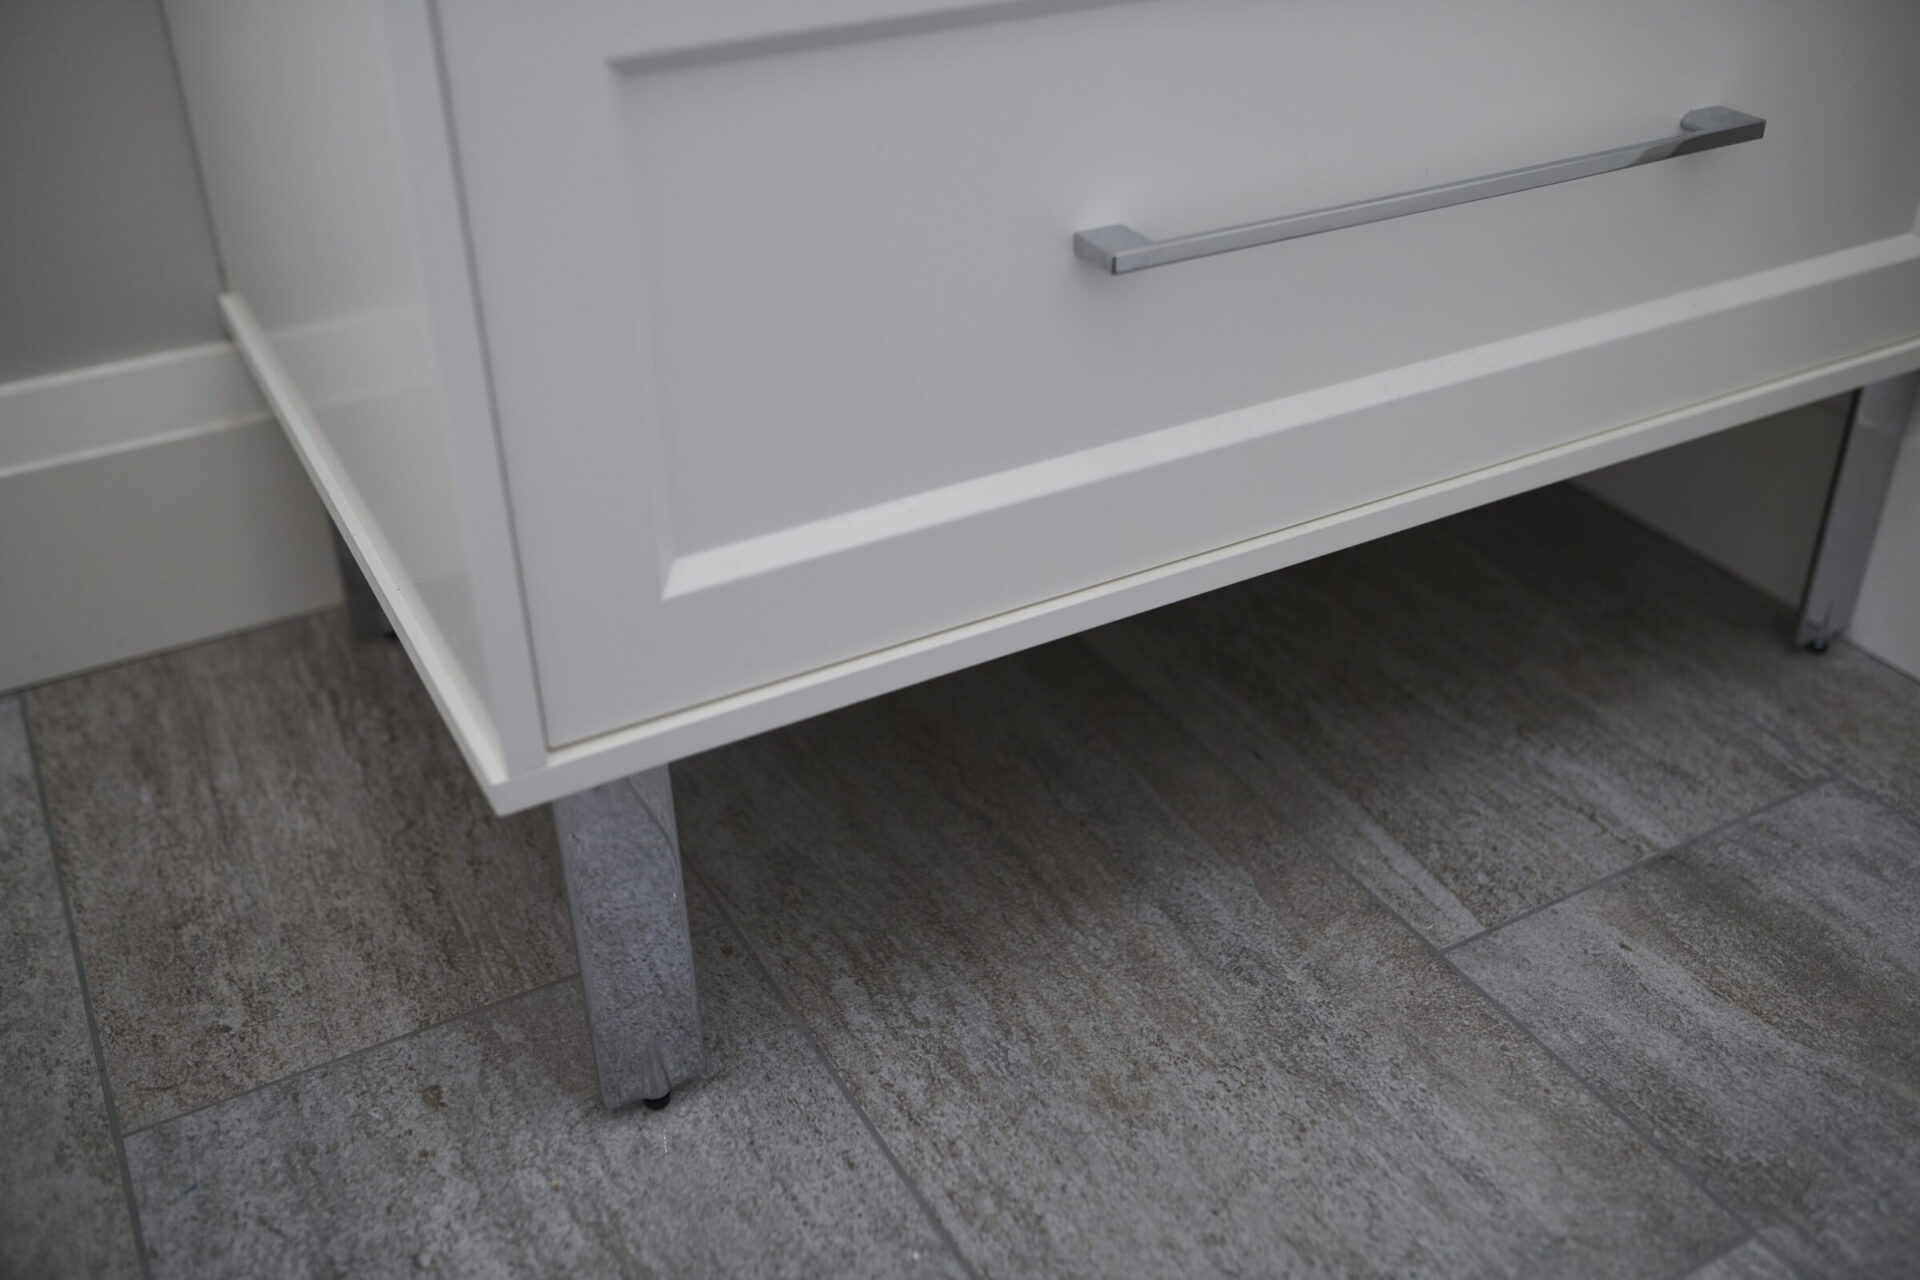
pixel 1118 1016
pixel 1699 625
pixel 479 1148
pixel 1505 898
pixel 1754 1003
pixel 1499 749
pixel 63 1211
pixel 275 856
pixel 1750 1260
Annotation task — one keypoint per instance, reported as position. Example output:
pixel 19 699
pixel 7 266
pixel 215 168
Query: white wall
pixel 105 248
pixel 145 500
pixel 1751 500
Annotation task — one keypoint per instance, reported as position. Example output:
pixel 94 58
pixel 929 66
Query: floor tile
pixel 1716 633
pixel 1751 1260
pixel 479 1148
pixel 1503 748
pixel 1754 1002
pixel 63 1210
pixel 275 856
pixel 1117 1029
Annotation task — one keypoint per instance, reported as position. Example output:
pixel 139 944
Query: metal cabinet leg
pixel 621 855
pixel 1878 420
pixel 364 614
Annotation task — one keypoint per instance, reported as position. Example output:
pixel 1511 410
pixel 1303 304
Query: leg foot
pixel 621 854
pixel 659 1103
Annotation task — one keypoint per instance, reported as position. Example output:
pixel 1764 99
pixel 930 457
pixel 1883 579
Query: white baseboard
pixel 146 504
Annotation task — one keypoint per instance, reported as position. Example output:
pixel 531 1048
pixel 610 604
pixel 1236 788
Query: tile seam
pixel 1886 800
pixel 792 1013
pixel 1671 851
pixel 1738 1216
pixel 1741 1220
pixel 86 999
pixel 349 1055
pixel 1688 1269
pixel 1753 1238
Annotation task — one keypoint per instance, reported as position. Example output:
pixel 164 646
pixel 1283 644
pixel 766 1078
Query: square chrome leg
pixel 620 851
pixel 1880 417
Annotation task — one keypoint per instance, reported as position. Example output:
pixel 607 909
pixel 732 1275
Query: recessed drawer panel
pixel 794 359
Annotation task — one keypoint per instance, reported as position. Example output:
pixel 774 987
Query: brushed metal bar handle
pixel 1120 249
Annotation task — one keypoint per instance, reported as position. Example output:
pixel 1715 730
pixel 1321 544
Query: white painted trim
pixel 589 763
pixel 1157 450
pixel 76 414
pixel 459 704
pixel 666 738
pixel 473 443
pixel 147 504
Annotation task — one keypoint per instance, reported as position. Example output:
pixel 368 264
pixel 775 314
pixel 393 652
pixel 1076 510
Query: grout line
pixel 1885 799
pixel 86 1001
pixel 1606 1103
pixel 1830 774
pixel 348 1056
pixel 1670 851
pixel 1687 1269
pixel 1794 747
pixel 1659 1148
pixel 1726 703
pixel 792 1012
pixel 1752 1238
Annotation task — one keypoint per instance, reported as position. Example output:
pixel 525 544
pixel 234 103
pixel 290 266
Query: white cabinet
pixel 679 368
pixel 683 367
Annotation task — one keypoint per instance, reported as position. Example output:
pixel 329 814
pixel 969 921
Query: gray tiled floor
pixel 1233 1060
pixel 63 1208
pixel 1757 1010
pixel 1505 898
pixel 1751 1260
pixel 479 1148
pixel 1502 750
pixel 275 856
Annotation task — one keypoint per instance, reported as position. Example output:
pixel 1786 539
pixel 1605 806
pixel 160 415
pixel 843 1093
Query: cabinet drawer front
pixel 794 360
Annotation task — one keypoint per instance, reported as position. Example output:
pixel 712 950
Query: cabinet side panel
pixel 311 185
